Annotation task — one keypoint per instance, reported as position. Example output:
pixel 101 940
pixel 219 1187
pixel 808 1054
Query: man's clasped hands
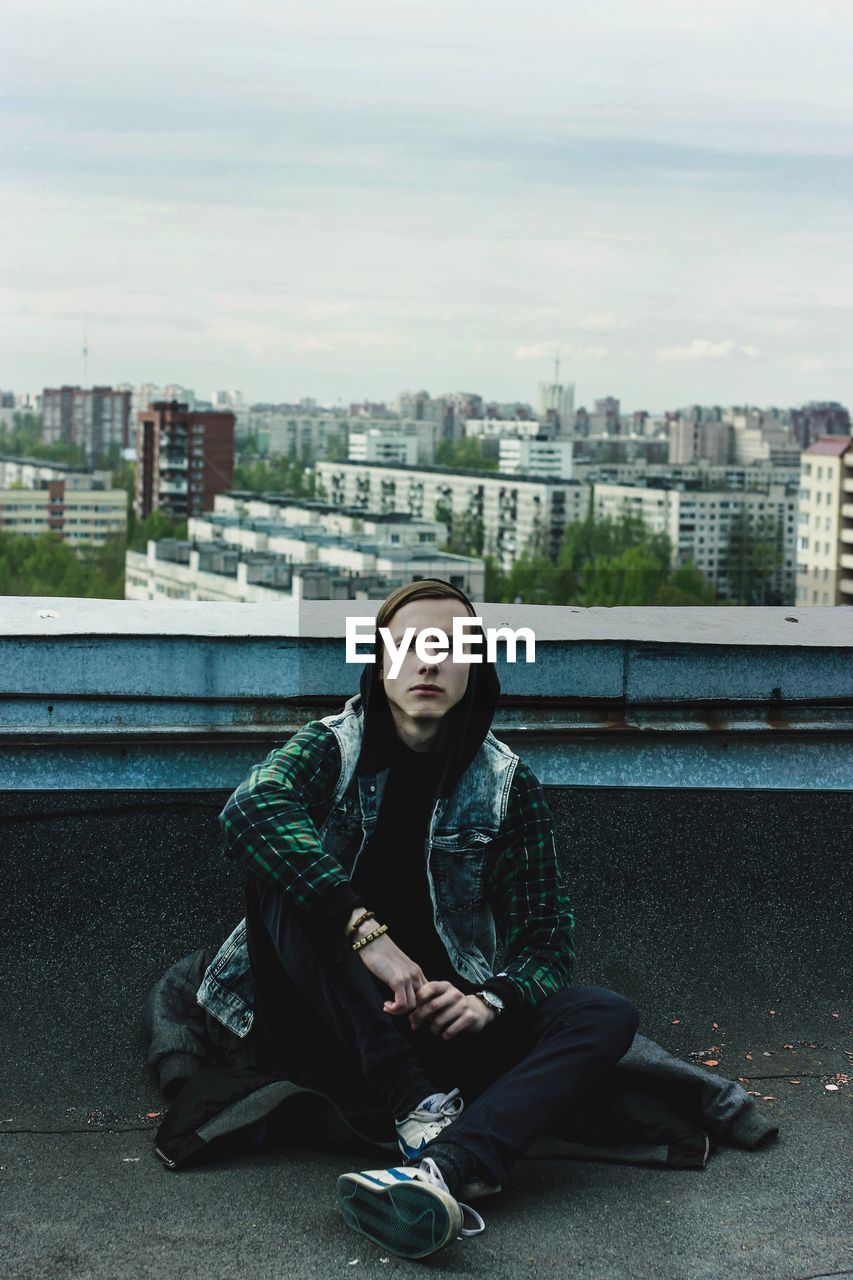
pixel 445 1009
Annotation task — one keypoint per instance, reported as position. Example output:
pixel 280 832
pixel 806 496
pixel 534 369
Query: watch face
pixel 493 1000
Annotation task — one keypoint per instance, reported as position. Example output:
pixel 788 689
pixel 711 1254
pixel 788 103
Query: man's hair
pixel 424 588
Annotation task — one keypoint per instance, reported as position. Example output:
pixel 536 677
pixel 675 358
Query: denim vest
pixel 461 827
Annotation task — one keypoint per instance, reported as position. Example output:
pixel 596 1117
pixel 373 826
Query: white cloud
pixel 702 349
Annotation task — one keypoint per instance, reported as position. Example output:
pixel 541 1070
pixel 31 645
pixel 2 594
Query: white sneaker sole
pixel 409 1219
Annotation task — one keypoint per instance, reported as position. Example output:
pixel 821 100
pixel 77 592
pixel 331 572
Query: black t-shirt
pixel 390 875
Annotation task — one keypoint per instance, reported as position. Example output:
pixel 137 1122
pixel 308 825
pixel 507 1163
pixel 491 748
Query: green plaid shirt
pixel 271 825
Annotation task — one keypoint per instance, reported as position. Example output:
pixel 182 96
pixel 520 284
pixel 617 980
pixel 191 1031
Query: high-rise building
pixel 184 458
pixel 820 419
pixel 97 419
pixel 557 405
pixel 825 523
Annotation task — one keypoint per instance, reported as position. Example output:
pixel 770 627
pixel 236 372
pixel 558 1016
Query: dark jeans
pixel 517 1075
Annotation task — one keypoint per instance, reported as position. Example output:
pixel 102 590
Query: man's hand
pixel 448 1012
pixel 389 964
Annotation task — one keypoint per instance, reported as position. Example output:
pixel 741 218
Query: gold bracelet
pixel 377 933
pixel 354 928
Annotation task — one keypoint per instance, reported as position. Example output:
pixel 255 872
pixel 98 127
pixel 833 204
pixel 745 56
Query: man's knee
pixel 619 1014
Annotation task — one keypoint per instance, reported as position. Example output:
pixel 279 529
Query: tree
pixel 156 525
pixel 286 476
pixel 752 554
pixel 23 440
pixel 601 562
pixel 465 453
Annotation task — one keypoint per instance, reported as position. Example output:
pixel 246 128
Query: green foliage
pixel 601 563
pixel 47 566
pixel 337 450
pixel 466 533
pixel 24 441
pixel 157 525
pixel 467 452
pixel 753 552
pixel 286 476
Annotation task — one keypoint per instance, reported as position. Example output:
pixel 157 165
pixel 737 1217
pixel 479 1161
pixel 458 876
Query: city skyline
pixel 343 204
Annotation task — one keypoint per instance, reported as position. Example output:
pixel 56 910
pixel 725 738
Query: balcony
pixel 173 487
pixel 173 462
pixel 698 766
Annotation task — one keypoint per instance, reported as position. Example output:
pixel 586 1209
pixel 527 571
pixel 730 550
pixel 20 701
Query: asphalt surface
pixel 97 1203
pixel 704 909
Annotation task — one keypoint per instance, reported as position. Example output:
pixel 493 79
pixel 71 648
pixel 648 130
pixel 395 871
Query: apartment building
pixel 31 473
pixel 553 458
pixel 81 516
pixel 380 444
pixel 698 522
pixel 692 440
pixel 514 512
pixel 249 550
pixel 184 458
pixel 825 523
pixel 98 419
pixel 301 435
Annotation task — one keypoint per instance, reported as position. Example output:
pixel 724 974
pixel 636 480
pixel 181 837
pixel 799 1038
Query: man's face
pixel 411 708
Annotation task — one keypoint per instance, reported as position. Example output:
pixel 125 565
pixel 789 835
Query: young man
pixel 390 851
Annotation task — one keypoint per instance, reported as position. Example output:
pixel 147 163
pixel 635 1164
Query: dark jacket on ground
pixel 651 1108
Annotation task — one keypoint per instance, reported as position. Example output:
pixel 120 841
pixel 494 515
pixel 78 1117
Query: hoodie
pixel 390 877
pixel 466 724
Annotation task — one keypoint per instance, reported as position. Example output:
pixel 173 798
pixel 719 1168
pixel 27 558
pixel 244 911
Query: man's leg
pixel 555 1052
pixel 337 1000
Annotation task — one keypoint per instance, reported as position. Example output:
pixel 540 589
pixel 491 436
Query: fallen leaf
pixel 787 1046
pixel 768 1097
pixel 743 1079
pixel 795 1082
pixel 711 1062
pixel 715 1026
pixel 772 1012
pixel 748 1057
pixel 675 1021
pixel 832 1087
pixel 152 1115
pixel 836 1015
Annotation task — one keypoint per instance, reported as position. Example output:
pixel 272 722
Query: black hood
pixel 467 723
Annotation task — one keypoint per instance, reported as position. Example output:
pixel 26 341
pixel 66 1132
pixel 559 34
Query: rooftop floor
pixel 721 910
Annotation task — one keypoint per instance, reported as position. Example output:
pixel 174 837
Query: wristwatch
pixel 494 1002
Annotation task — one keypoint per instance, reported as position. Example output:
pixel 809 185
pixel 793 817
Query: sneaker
pixel 427 1121
pixel 408 1211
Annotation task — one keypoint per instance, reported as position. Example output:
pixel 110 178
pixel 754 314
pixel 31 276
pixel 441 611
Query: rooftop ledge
pixel 106 694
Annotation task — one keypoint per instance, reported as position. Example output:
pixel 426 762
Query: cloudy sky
pixel 352 197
